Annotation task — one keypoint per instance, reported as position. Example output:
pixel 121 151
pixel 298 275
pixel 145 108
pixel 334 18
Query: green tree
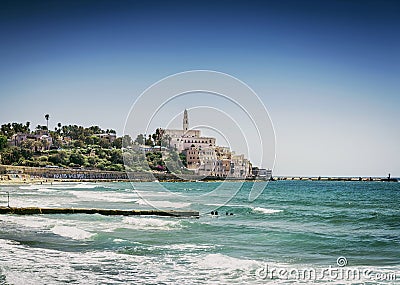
pixel 127 141
pixel 11 129
pixel 111 131
pixel 140 139
pixel 116 156
pixel 158 136
pixel 7 130
pixel 28 144
pixel 58 158
pixel 117 143
pixel 46 144
pixel 167 138
pixel 95 130
pixel 92 161
pixel 149 141
pixel 39 128
pixel 47 117
pixel 79 143
pixel 104 143
pixel 3 142
pixel 37 146
pixel 77 158
pixel 11 156
pixel 26 153
pixel 27 127
pixel 92 140
pixel 182 158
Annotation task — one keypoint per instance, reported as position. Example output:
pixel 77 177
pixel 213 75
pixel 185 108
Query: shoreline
pixel 27 175
pixel 49 181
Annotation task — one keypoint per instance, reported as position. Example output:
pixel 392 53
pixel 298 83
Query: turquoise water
pixel 292 224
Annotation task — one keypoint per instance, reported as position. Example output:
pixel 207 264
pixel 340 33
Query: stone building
pixel 39 136
pixel 204 156
pixel 185 138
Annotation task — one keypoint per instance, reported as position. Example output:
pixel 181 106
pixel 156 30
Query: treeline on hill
pixel 81 147
pixel 72 146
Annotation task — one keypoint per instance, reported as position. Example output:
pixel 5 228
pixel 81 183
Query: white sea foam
pixel 72 232
pixel 266 211
pixel 59 186
pixel 163 204
pixel 118 240
pixel 60 227
pixel 113 197
pixel 142 193
pixel 34 222
pixel 36 201
pixel 226 205
pixel 220 261
pixel 215 205
pixel 46 190
pixel 188 246
pixel 140 223
pixel 80 186
pixel 33 187
pixel 23 265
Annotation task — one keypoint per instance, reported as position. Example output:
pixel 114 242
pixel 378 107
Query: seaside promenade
pixel 19 174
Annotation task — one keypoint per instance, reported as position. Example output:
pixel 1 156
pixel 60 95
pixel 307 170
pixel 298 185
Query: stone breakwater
pixel 105 212
pixel 364 179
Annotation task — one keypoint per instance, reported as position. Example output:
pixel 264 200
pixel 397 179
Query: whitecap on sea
pixel 266 211
pixel 72 232
pixel 163 204
pixel 114 197
pixel 140 223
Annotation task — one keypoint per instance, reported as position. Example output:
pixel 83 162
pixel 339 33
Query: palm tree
pixel 47 117
pixel 168 138
pixel 58 130
pixel 27 125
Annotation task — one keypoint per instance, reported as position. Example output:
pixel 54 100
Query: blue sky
pixel 326 70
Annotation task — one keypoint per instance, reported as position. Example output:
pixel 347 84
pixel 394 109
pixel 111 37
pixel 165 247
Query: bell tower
pixel 185 121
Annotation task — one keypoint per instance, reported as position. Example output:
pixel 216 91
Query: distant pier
pixel 365 179
pixel 105 212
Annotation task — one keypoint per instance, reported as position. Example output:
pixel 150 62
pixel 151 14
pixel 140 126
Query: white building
pixel 40 135
pixel 186 138
pixel 208 161
pixel 203 156
pixel 108 136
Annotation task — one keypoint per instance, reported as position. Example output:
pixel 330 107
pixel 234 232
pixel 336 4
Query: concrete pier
pixel 352 179
pixel 106 212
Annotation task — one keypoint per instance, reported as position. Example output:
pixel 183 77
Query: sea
pixel 292 232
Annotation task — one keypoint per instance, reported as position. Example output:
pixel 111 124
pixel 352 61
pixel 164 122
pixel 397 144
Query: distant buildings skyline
pixel 203 155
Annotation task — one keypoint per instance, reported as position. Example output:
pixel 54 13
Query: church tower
pixel 185 121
